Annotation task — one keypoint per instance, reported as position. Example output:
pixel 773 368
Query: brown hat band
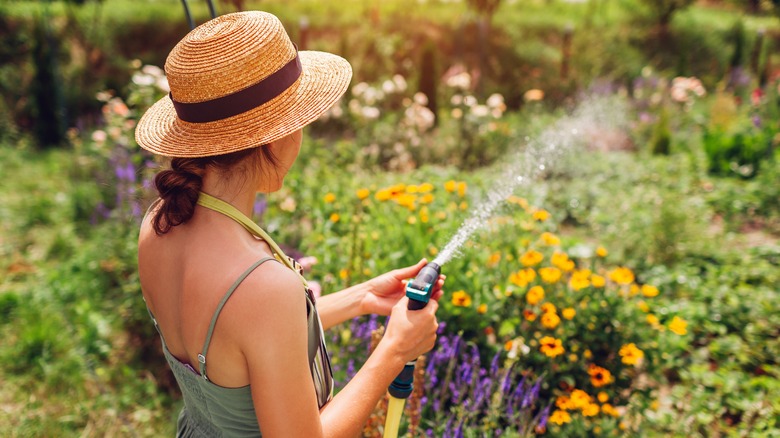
pixel 240 101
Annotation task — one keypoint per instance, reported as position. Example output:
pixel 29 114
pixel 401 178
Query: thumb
pixel 410 271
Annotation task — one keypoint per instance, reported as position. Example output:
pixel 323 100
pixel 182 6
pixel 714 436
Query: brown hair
pixel 179 186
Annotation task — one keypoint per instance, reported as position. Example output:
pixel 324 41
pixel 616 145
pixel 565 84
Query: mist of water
pixel 550 151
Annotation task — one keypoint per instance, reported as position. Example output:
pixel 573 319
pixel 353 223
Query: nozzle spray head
pixel 419 290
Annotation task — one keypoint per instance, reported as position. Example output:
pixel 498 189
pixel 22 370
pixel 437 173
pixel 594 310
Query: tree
pixel 664 10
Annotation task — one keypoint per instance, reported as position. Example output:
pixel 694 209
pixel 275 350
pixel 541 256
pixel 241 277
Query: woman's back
pixel 184 275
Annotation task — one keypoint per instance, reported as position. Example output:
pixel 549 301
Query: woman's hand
pixel 384 291
pixel 411 333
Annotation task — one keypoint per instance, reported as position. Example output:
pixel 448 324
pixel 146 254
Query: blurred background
pixel 627 287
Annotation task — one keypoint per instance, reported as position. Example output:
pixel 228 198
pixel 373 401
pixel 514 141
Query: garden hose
pixel 419 293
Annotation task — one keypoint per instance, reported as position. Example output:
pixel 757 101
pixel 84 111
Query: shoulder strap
pixel 202 355
pixel 228 210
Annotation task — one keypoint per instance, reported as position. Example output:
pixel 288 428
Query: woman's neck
pixel 235 191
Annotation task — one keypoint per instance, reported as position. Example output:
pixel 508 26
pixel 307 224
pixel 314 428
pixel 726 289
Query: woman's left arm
pixel 375 296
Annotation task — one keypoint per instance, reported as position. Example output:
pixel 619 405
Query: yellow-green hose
pixel 395 408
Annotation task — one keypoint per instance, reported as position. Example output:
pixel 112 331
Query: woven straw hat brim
pixel 324 79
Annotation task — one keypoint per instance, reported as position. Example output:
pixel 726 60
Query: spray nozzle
pixel 419 290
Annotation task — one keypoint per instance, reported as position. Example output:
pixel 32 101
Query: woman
pixel 240 328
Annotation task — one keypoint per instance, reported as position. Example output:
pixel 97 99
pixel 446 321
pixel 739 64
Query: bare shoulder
pixel 270 299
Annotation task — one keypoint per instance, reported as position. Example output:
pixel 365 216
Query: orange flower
pixel 363 193
pixel 550 239
pixel 580 398
pixel 621 275
pixel 541 215
pixel 550 275
pixel 531 258
pixel 329 198
pixel 630 354
pixel 597 280
pixel 529 315
pixel 649 291
pixel 559 417
pixel 599 376
pixel 590 410
pixel 603 397
pixel 550 320
pixel 550 346
pixel 548 308
pixel 335 217
pixel 568 313
pixel 482 309
pixel 522 277
pixel 580 279
pixel 461 299
pixel 534 295
pixel 450 186
pixel 601 251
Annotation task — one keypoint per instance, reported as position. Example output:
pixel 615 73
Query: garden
pixel 615 164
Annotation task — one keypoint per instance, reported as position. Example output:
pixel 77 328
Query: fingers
pixel 410 271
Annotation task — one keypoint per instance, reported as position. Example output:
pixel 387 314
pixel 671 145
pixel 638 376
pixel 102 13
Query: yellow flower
pixel 559 417
pixel 550 239
pixel 482 309
pixel 550 320
pixel 329 198
pixel 652 319
pixel 461 299
pixel 548 308
pixel 534 295
pixel 529 315
pixel 621 275
pixel 494 259
pixel 541 215
pixel 522 277
pixel 426 198
pixel 603 397
pixel 678 326
pixel 599 376
pixel 383 195
pixel 411 220
pixel 463 205
pixel 550 275
pixel 559 259
pixel 580 398
pixel 426 187
pixel 406 200
pixel 601 251
pixel 450 186
pixel 522 202
pixel 643 306
pixel 608 409
pixel 597 280
pixel 335 217
pixel 649 291
pixel 587 354
pixel 343 274
pixel 568 313
pixel 412 188
pixel 363 193
pixel 630 354
pixel 550 346
pixel 580 279
pixel 461 189
pixel 590 410
pixel 531 258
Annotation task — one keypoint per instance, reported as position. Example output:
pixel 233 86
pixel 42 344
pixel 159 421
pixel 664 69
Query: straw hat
pixel 238 82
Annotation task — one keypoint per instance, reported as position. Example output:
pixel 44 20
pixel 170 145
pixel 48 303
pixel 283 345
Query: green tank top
pixel 211 410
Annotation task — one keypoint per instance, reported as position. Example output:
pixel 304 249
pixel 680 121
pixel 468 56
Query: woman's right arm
pixel 270 328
